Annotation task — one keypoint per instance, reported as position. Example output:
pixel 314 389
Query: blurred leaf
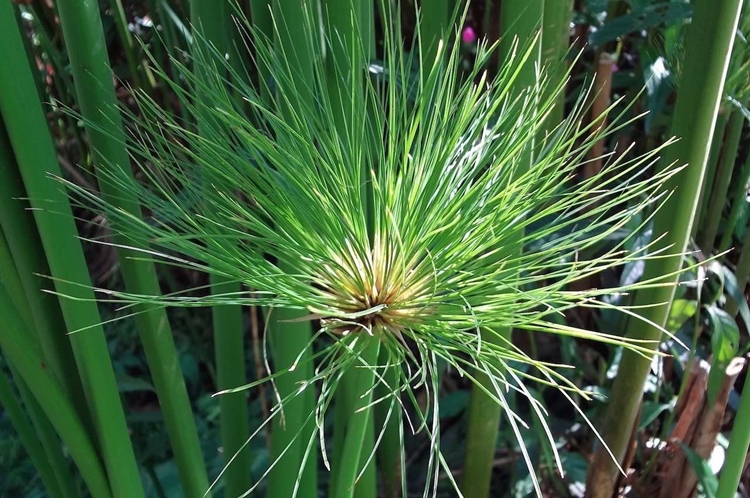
pixel 667 13
pixel 651 412
pixel 706 479
pixel 713 286
pixel 127 384
pixel 681 311
pixel 725 335
pixel 732 288
pixel 575 466
pixel 454 403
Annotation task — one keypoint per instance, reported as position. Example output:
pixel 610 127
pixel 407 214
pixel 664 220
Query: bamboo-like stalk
pixel 718 195
pixel 361 418
pixel 47 390
pixel 602 101
pixel 708 48
pixel 713 159
pixel 25 250
pixel 739 442
pixel 739 198
pixel 92 75
pixel 433 27
pixel 12 408
pixel 35 155
pixel 348 32
pixel 521 21
pixel 289 337
pixel 211 24
pixel 555 45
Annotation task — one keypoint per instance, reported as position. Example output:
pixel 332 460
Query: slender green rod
pixel 708 48
pixel 718 195
pixel 713 159
pixel 81 23
pixel 288 336
pixel 28 361
pixel 28 258
pixel 433 28
pixel 521 22
pixel 555 45
pixel 739 442
pixel 26 434
pixel 210 20
pixel 359 420
pixel 35 154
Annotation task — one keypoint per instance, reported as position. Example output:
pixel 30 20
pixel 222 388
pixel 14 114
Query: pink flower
pixel 468 35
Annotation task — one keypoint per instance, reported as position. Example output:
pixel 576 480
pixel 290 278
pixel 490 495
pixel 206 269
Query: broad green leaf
pixel 667 13
pixel 725 335
pixel 681 311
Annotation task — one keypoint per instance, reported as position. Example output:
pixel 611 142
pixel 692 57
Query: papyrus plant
pixel 401 221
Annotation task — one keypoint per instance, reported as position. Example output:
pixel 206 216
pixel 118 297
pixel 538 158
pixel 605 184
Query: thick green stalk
pixel 210 21
pixel 35 155
pixel 739 442
pixel 718 195
pixel 521 21
pixel 27 256
pixel 713 159
pixel 708 47
pixel 67 485
pixel 358 421
pixel 433 28
pixel 390 448
pixel 555 45
pixel 739 198
pixel 289 337
pixel 28 361
pixel 91 72
pixel 12 408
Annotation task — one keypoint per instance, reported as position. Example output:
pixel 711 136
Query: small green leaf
pixel 725 335
pixel 681 311
pixel 732 288
pixel 706 479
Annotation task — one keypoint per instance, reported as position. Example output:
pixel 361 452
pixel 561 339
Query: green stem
pixel 708 47
pixel 289 338
pixel 734 462
pixel 47 390
pixel 521 21
pixel 35 154
pixel 28 258
pixel 555 45
pixel 718 194
pixel 739 199
pixel 85 41
pixel 390 449
pixel 12 408
pixel 713 159
pixel 210 25
pixel 359 419
pixel 433 27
